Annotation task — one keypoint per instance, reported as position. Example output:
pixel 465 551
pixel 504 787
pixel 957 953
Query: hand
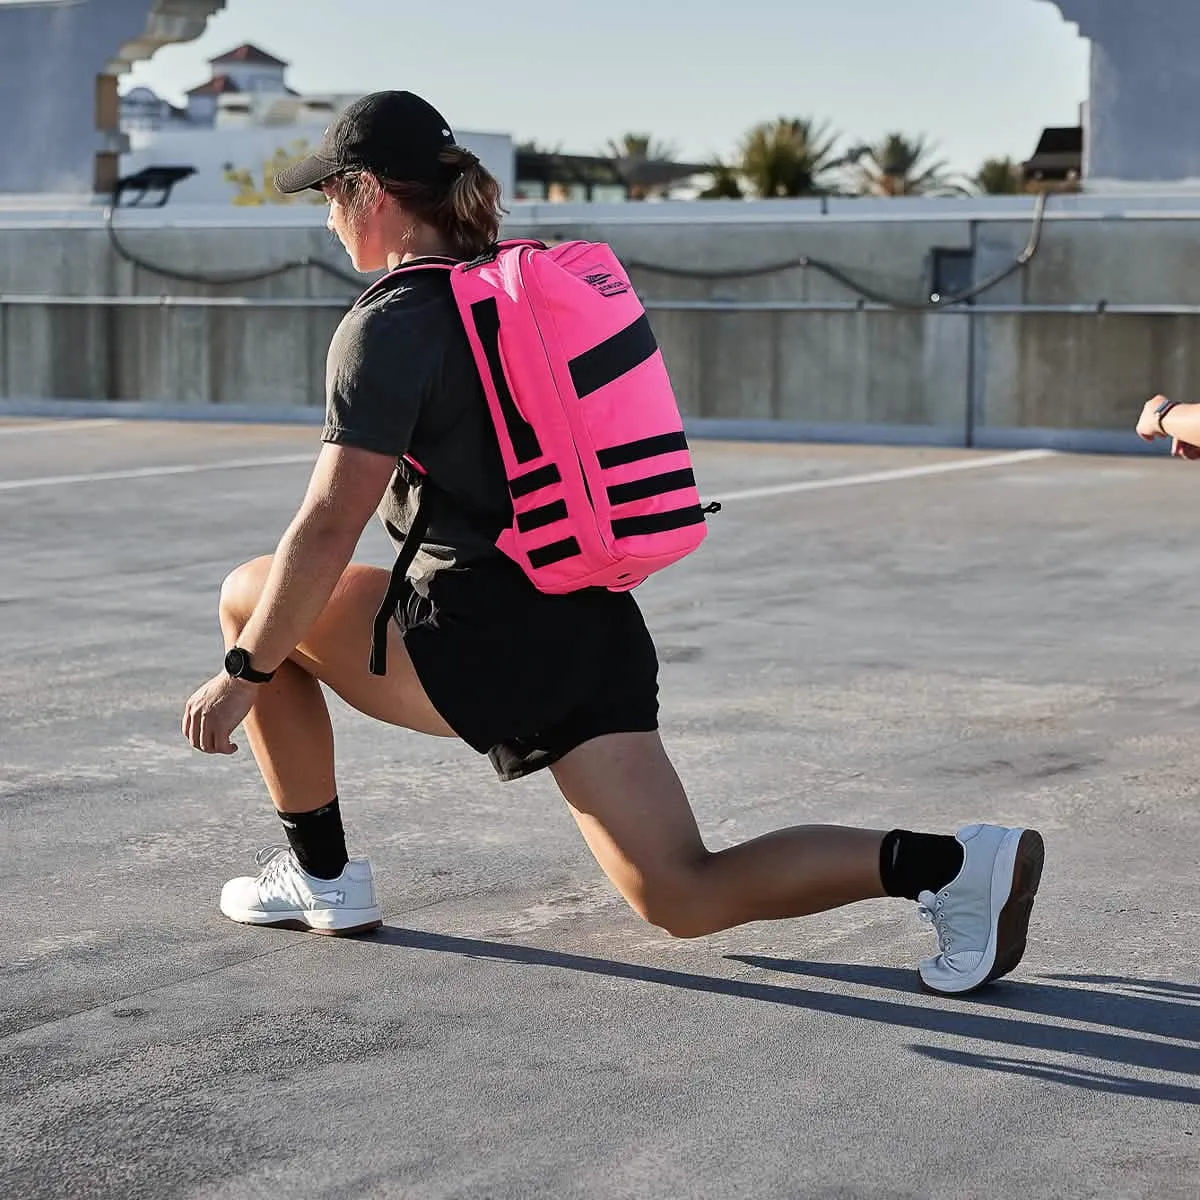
pixel 1184 449
pixel 215 711
pixel 1148 427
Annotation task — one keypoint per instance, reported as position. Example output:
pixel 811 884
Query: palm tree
pixel 999 177
pixel 631 154
pixel 640 146
pixel 790 156
pixel 898 166
pixel 724 182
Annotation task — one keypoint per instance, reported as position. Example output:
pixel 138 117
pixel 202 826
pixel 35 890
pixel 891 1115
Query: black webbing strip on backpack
pixel 555 552
pixel 614 357
pixel 656 485
pixel 650 447
pixel 533 481
pixel 486 315
pixel 535 518
pixel 677 518
pixel 396 586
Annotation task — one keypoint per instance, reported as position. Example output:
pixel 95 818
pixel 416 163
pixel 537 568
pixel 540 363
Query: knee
pixel 241 589
pixel 680 902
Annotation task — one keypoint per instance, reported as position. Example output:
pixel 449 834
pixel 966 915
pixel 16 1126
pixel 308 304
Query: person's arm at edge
pixel 1181 423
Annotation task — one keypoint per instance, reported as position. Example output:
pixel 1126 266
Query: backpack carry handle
pixel 493 251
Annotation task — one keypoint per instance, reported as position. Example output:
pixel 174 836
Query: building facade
pixel 242 124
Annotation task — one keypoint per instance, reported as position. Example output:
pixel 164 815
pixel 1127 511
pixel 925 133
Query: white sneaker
pixel 285 895
pixel 982 916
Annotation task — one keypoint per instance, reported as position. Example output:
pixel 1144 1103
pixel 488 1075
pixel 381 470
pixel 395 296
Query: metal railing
pixel 716 304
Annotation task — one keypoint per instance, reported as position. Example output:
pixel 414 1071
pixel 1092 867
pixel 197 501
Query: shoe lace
pixel 931 909
pixel 275 860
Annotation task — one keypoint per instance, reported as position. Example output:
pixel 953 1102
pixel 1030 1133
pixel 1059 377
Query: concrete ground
pixel 915 646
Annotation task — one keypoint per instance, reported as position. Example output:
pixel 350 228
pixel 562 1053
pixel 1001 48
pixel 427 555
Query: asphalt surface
pixel 1009 642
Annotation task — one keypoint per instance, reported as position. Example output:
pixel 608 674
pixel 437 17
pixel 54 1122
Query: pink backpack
pixel 590 433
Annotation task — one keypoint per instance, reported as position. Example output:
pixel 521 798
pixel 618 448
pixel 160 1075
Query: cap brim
pixel 310 172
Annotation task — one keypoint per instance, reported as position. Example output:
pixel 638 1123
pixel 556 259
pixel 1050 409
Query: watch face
pixel 235 661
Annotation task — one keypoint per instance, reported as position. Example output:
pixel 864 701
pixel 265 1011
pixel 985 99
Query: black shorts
pixel 524 677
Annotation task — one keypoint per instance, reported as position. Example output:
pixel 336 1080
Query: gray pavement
pixel 1009 642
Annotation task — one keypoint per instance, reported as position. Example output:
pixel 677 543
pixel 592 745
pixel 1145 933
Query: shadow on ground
pixel 1123 1007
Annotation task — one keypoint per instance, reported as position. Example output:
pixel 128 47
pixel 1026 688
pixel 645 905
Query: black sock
pixel 912 863
pixel 318 840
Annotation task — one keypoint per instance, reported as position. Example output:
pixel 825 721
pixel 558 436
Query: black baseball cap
pixel 396 135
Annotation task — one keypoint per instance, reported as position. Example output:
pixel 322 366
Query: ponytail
pixel 471 213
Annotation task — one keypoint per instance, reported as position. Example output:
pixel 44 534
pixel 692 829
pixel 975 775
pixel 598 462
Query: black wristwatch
pixel 1162 410
pixel 237 664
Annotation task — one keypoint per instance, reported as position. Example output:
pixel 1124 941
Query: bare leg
pixel 289 729
pixel 636 819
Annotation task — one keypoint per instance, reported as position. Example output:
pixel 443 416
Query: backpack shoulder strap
pixel 396 585
pixel 386 282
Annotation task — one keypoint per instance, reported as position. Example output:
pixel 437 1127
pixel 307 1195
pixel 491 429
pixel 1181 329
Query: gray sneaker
pixel 982 916
pixel 285 895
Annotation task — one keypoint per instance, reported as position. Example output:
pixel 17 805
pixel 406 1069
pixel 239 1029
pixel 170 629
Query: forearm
pixel 308 562
pixel 1183 422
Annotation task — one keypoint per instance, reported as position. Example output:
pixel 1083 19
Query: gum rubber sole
pixel 303 926
pixel 1013 927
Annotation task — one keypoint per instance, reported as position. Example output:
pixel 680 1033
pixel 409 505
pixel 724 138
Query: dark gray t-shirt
pixel 400 379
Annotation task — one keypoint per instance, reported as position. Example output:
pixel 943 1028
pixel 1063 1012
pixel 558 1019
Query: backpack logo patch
pixel 606 283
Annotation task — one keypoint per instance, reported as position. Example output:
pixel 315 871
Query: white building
pixel 241 119
pixel 245 71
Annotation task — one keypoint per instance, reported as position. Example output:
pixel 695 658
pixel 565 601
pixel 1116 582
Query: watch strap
pixel 1162 410
pixel 238 664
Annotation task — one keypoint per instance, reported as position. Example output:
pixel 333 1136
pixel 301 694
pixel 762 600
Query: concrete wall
pixel 1089 372
pixel 897 374
pixel 161 353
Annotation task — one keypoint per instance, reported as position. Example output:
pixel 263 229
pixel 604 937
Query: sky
pixel 980 78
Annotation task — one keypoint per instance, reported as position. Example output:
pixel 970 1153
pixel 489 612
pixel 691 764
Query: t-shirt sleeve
pixel 379 368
